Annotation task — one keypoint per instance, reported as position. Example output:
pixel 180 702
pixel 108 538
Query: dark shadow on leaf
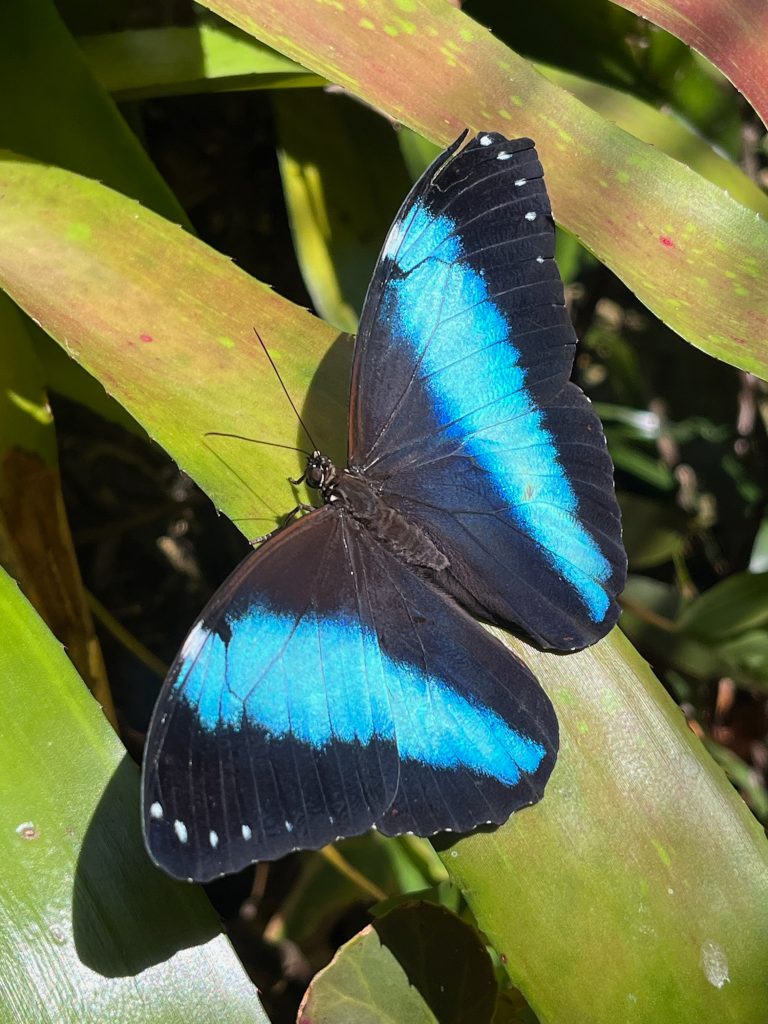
pixel 455 978
pixel 325 409
pixel 126 914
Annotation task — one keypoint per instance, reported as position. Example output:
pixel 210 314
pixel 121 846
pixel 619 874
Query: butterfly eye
pixel 319 470
pixel 314 477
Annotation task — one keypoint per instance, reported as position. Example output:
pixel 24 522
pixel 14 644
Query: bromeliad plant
pixel 635 889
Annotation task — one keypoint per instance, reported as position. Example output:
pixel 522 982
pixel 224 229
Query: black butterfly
pixel 337 680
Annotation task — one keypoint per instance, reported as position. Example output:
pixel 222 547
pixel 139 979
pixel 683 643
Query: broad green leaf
pixel 419 964
pixel 91 931
pixel 612 918
pixel 737 604
pixel 733 34
pixel 209 57
pixel 343 180
pixel 654 532
pixel 582 895
pixel 691 253
pixel 216 56
pixel 148 294
pixel 666 132
pixel 599 41
pixel 745 657
pixel 744 776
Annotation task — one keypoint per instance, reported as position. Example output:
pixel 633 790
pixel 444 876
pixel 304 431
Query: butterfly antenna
pixel 285 390
pixel 257 440
pixel 242 480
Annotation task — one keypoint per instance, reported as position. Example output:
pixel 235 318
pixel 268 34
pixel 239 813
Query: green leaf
pixel 599 41
pixel 341 196
pixel 691 253
pixel 52 108
pixel 382 975
pixel 666 132
pixel 175 296
pixel 737 604
pixel 35 541
pixel 745 657
pixel 654 532
pixel 582 895
pixel 731 33
pixel 91 930
pixel 209 57
pixel 321 891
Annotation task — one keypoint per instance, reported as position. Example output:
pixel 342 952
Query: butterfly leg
pixel 302 507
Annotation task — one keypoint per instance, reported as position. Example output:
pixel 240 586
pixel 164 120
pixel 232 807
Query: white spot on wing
pixel 289 826
pixel 520 182
pixel 213 838
pixel 394 239
pixel 714 963
pixel 531 215
pixel 504 156
pixel 539 259
pixel 485 140
pixel 247 833
pixel 181 830
pixel 156 811
pixel 194 642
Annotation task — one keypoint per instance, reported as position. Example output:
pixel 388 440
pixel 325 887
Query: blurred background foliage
pixel 297 183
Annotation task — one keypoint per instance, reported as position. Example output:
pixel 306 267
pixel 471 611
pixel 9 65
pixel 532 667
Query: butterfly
pixel 339 680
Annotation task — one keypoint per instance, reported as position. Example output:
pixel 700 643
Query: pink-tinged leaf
pixel 692 254
pixel 167 325
pixel 733 34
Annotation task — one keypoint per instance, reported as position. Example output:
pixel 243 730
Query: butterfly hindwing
pixel 328 688
pixel 477 736
pixel 462 409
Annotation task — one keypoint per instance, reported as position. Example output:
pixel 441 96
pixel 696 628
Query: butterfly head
pixel 321 474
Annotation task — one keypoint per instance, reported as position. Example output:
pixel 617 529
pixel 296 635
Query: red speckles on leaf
pixel 146 337
pixel 665 240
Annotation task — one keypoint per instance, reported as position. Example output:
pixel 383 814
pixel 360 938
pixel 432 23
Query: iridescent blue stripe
pixel 480 398
pixel 324 681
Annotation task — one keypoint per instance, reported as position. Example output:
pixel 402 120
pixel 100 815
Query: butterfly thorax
pixel 353 495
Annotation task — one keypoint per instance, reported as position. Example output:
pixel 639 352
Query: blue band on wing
pixel 440 303
pixel 322 681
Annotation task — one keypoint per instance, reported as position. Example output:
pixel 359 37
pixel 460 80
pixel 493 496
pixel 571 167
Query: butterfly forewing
pixel 479 435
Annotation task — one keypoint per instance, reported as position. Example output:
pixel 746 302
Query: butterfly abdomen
pixel 406 540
